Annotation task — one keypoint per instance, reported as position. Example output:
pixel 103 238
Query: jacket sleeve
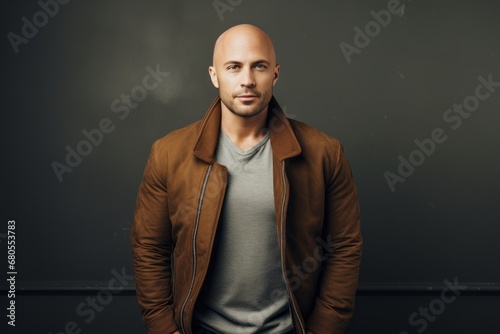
pixel 335 300
pixel 151 241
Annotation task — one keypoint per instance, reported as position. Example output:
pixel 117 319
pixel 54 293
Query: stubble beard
pixel 246 111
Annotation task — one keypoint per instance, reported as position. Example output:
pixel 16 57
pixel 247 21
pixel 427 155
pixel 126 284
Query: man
pixel 246 221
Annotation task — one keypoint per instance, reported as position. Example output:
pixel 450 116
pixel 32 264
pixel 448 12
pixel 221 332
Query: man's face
pixel 245 72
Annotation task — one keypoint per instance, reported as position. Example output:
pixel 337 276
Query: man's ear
pixel 213 76
pixel 276 74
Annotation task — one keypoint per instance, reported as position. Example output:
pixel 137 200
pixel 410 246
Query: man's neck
pixel 245 132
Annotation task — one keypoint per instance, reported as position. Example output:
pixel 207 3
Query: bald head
pixel 243 37
pixel 245 70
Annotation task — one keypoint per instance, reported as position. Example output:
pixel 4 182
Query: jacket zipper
pixel 283 236
pixel 197 222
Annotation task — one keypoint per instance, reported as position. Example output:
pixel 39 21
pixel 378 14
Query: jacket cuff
pixel 322 321
pixel 163 324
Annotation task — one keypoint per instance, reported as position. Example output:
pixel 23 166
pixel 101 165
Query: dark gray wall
pixel 440 224
pixel 374 315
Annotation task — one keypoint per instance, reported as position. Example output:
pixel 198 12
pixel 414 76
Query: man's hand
pixel 176 332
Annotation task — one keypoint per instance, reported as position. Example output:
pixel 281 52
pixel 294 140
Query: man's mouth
pixel 246 97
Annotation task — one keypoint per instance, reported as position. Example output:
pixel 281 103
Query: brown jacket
pixel 317 219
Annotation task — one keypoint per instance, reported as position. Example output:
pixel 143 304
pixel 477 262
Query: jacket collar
pixel 283 141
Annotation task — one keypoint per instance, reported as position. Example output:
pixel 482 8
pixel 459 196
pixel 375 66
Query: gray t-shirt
pixel 244 291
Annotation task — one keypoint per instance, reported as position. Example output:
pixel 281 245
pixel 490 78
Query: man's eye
pixel 261 66
pixel 232 67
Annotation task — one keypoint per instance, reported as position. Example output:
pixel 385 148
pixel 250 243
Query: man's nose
pixel 248 78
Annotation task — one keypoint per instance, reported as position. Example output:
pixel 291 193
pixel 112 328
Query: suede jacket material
pixel 317 220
